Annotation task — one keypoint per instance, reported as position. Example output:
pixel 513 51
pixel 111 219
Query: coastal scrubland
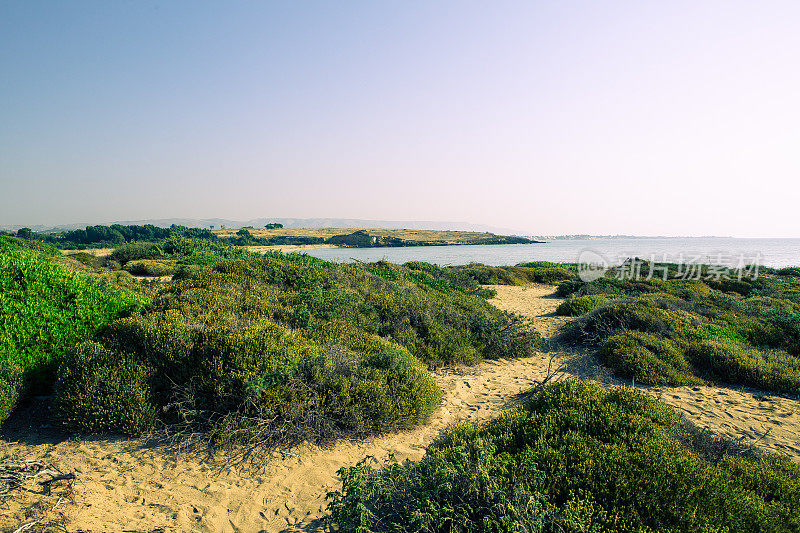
pixel 271 348
pixel 194 337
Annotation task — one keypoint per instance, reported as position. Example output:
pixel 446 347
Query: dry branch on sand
pixel 37 489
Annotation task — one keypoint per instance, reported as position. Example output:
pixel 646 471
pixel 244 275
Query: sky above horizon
pixel 645 118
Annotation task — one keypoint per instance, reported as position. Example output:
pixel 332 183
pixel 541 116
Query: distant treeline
pixel 111 236
pixel 117 234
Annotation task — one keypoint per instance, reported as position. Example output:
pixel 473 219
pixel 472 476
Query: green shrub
pixel 789 271
pixel 535 272
pixel 486 275
pixel 647 359
pixel 657 316
pixel 470 488
pixel 151 267
pixel 97 390
pixel 745 331
pixel 251 339
pixel 549 275
pixel 136 250
pixel 743 287
pixel 8 244
pixel 445 279
pixel 11 386
pixel 309 348
pixel 44 310
pixel 712 331
pixel 83 257
pixel 568 287
pixel 735 362
pixel 580 305
pixel 575 458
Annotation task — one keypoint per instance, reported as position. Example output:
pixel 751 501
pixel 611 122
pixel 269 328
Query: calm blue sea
pixel 714 250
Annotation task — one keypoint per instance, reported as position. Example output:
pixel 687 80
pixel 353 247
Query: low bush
pixel 580 305
pixel 743 331
pixel 135 251
pixel 83 258
pixel 487 275
pixel 647 359
pixel 243 384
pixel 202 252
pixel 14 244
pixel 469 488
pixel 569 287
pixel 789 271
pixel 713 331
pixel 151 267
pixel 533 272
pixel 44 310
pixel 99 391
pixel 660 316
pixel 575 458
pixel 318 348
pixel 735 362
pixel 549 275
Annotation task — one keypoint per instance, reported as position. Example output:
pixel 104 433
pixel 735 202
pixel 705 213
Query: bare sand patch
pixel 535 301
pixel 97 252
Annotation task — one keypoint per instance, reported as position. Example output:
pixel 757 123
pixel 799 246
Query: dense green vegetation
pixel 581 305
pixel 44 311
pixel 280 348
pixel 241 346
pixel 533 272
pixel 576 458
pixel 114 235
pixel 117 234
pixel 678 331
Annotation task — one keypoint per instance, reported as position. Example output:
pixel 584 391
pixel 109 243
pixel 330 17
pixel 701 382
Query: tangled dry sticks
pixel 28 489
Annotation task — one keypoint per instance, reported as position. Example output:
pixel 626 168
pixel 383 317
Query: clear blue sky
pixel 640 117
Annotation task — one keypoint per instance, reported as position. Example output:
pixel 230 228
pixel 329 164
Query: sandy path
pixel 124 486
pixel 535 301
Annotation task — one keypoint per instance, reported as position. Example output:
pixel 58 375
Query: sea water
pixel 708 250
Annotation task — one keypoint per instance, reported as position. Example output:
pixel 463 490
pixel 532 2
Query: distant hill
pixel 289 223
pixel 598 237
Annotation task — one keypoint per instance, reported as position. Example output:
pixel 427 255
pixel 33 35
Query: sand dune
pixel 123 485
